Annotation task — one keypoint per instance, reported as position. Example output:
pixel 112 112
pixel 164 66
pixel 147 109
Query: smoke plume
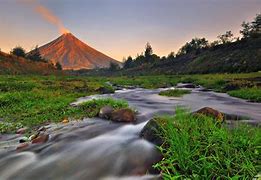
pixel 47 15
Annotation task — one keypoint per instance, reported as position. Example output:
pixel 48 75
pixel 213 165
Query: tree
pixel 228 37
pixel 18 51
pixel 252 29
pixel 35 55
pixel 171 56
pixel 148 50
pixel 58 66
pixel 195 45
pixel 247 29
pixel 256 25
pixel 114 66
pixel 214 43
pixel 128 63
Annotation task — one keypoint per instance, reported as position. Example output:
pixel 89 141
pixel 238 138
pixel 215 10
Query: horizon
pixel 166 30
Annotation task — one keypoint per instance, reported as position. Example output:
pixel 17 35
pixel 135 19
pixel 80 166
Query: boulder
pixel 43 138
pixel 150 132
pixel 123 115
pixel 106 90
pixel 207 111
pixel 189 85
pixel 105 112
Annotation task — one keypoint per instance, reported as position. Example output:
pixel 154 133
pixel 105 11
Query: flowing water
pixel 99 149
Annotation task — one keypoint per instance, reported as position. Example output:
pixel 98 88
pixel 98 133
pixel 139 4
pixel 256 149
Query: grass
pixel 198 148
pixel 251 94
pixel 34 100
pixel 92 107
pixel 174 92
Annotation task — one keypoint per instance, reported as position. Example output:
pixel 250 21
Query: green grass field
pixel 35 100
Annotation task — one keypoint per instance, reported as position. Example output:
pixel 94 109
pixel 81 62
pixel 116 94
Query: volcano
pixel 74 54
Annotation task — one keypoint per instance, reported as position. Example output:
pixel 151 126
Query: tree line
pixel 196 45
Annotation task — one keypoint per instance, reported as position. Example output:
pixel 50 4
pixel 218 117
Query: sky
pixel 120 28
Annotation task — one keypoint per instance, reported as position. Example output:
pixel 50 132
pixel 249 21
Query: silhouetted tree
pixel 247 29
pixel 195 45
pixel 171 56
pixel 114 66
pixel 148 50
pixel 256 25
pixel 18 51
pixel 214 43
pixel 58 66
pixel 252 29
pixel 35 55
pixel 128 63
pixel 228 37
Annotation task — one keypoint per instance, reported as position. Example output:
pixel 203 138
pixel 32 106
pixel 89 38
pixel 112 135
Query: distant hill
pixel 10 64
pixel 236 57
pixel 72 53
pixel 240 56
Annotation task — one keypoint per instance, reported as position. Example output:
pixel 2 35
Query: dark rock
pixel 22 146
pixel 42 129
pixel 105 112
pixel 191 86
pixel 106 90
pixel 207 111
pixel 41 139
pixel 150 132
pixel 23 140
pixel 123 115
pixel 21 131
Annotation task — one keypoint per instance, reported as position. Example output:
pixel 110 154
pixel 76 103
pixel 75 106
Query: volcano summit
pixel 72 53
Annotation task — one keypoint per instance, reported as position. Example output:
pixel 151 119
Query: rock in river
pixel 41 139
pixel 123 115
pixel 105 112
pixel 21 131
pixel 150 132
pixel 207 111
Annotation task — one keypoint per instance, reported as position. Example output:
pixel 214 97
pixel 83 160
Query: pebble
pixel 42 129
pixel 65 121
pixel 21 131
pixel 41 139
pixel 32 137
pixel 23 140
pixel 22 146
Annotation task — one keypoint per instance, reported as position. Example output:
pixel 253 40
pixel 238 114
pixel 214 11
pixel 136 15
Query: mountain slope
pixel 10 64
pixel 72 53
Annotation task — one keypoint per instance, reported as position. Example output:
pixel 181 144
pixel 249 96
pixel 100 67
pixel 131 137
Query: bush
pixel 18 51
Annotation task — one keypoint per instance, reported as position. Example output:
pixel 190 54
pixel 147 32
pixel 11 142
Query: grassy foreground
pixel 34 100
pixel 199 148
